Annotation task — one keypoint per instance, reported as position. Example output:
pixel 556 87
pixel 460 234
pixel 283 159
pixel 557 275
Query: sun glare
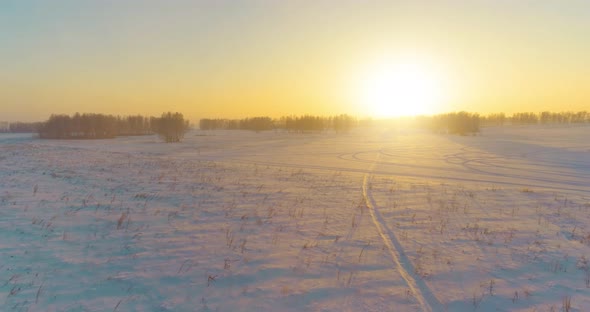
pixel 400 89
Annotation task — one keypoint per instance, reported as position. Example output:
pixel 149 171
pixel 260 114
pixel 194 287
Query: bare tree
pixel 171 127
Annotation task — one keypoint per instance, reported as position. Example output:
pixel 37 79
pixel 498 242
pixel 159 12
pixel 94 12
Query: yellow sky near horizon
pixel 233 59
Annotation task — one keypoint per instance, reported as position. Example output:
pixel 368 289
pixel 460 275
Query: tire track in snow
pixel 419 289
pixel 572 188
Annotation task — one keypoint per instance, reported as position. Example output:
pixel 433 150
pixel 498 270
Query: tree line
pixel 454 123
pixel 93 126
pixel 530 118
pixel 20 127
pixel 170 126
pixel 300 124
pixel 468 123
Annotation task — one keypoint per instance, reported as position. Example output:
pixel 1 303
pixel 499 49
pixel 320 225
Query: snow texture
pixel 373 220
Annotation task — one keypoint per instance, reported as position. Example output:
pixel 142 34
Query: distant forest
pixel 94 126
pixel 465 123
pixel 20 127
pixel 453 123
pixel 306 123
pixel 536 118
pixel 172 126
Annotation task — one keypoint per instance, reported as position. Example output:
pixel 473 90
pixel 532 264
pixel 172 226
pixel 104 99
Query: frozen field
pixel 374 220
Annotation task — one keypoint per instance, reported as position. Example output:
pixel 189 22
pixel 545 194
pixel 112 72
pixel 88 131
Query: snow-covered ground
pixel 374 220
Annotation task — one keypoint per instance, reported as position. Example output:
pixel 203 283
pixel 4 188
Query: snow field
pixel 375 220
pixel 92 230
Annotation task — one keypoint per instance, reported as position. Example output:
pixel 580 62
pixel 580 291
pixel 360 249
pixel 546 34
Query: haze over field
pixel 234 59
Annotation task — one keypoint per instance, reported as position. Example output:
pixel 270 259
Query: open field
pixel 373 220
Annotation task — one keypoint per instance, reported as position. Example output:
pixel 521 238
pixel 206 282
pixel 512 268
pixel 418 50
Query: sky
pixel 234 59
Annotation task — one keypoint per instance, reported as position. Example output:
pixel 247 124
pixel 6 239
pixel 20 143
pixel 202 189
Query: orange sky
pixel 245 58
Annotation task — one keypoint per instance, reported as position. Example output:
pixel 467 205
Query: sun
pixel 400 89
